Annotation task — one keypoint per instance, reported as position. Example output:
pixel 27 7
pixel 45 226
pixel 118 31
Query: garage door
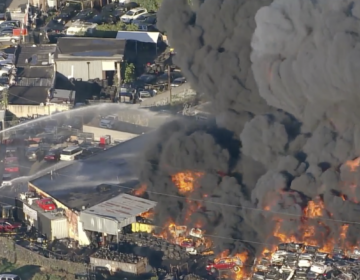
pixel 108 65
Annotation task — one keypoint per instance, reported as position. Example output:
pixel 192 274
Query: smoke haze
pixel 282 77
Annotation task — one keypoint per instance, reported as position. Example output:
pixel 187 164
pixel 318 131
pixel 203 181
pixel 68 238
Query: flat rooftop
pixel 76 185
pixel 121 207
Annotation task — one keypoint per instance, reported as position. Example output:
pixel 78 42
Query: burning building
pixel 281 164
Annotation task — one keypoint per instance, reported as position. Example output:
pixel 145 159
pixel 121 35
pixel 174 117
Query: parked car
pixel 53 30
pixel 8 36
pixel 6 70
pixel 53 155
pixel 142 18
pixel 7 225
pixel 68 12
pixel 12 168
pixel 10 23
pixel 34 154
pixel 108 121
pixel 6 59
pixel 88 152
pixel 47 204
pixel 103 19
pixel 85 15
pixel 178 82
pixel 133 14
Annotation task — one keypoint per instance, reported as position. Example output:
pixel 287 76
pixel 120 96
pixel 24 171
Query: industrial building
pixel 88 58
pixel 93 200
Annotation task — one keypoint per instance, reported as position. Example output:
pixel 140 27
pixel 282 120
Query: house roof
pixel 45 72
pixel 27 95
pixel 84 48
pixel 145 37
pixel 121 207
pixel 36 55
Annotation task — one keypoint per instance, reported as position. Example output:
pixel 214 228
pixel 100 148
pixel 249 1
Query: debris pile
pixel 106 254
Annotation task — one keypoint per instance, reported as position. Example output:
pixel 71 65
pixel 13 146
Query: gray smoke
pixel 281 141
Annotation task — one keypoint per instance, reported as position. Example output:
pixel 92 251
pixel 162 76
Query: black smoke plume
pixel 282 77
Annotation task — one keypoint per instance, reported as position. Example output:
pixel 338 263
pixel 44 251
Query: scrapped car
pixel 47 204
pixel 300 274
pixel 258 275
pixel 291 261
pixel 228 263
pixel 305 260
pixel 7 225
pixel 320 258
pixel 9 277
pixel 354 254
pixel 311 249
pixel 179 231
pixel 263 265
pixel 189 246
pixel 278 257
pixel 295 247
pixel 196 232
pixel 338 254
pixel 318 268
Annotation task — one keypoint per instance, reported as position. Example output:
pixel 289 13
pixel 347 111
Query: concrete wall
pixel 17 254
pixel 29 110
pixel 115 135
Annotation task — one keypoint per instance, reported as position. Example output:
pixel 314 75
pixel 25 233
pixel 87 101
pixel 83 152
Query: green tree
pixel 129 73
pixel 150 5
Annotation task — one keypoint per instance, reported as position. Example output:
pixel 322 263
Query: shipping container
pixel 140 227
pixel 52 226
pixel 114 266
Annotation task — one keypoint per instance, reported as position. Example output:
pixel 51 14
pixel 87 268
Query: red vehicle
pixel 11 168
pixel 8 226
pixel 187 243
pixel 47 204
pixel 228 263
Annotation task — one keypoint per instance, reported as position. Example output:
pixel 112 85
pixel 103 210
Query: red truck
pixel 8 226
pixel 47 204
pixel 228 263
pixel 11 168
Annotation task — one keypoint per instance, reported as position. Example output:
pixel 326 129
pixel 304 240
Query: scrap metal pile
pixel 302 262
pixel 170 251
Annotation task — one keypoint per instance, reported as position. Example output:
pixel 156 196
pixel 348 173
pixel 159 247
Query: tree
pixel 150 5
pixel 129 73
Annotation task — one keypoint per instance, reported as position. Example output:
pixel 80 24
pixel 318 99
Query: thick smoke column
pixel 282 141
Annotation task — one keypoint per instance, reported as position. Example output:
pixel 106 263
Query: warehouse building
pixel 92 198
pixel 88 58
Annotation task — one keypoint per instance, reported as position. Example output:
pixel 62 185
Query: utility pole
pixel 5 98
pixel 169 84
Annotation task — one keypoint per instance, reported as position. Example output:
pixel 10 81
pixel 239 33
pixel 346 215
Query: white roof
pixel 145 37
pixel 121 207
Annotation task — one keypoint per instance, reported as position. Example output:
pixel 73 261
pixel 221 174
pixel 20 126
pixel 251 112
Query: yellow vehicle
pixel 140 227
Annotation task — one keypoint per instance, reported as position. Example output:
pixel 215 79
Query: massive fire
pixel 186 181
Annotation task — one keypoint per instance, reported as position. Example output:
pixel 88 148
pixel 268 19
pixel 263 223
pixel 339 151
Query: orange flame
pixel 353 164
pixel 140 191
pixel 186 181
pixel 147 215
pixel 241 274
pixel 314 209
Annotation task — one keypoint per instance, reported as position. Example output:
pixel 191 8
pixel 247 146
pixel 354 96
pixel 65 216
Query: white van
pixel 70 152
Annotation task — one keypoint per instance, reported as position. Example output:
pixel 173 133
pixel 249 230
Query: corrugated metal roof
pixel 145 37
pixel 121 207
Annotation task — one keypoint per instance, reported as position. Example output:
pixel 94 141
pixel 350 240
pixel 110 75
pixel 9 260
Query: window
pixel 48 202
pixel 130 13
